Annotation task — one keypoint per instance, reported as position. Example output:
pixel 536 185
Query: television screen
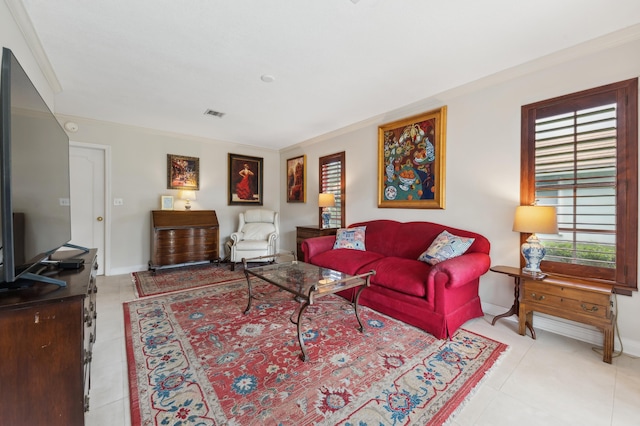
pixel 35 174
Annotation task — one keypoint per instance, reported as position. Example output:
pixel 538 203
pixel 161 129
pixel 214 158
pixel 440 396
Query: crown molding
pixel 23 20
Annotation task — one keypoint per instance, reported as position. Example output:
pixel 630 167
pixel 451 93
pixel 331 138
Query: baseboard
pixel 128 270
pixel 572 329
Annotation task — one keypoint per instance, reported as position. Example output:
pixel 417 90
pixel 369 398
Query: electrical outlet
pixel 65 202
pixel 118 202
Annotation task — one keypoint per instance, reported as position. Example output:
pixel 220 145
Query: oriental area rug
pixel 150 283
pixel 195 358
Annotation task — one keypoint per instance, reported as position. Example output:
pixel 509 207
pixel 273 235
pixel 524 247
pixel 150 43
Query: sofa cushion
pixel 351 238
pixel 406 276
pixel 445 246
pixel 346 260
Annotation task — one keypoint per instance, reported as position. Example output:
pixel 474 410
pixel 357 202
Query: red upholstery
pixel 438 299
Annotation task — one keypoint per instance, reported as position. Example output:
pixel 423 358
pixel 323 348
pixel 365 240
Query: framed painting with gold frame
pixel 183 172
pixel 297 179
pixel 411 161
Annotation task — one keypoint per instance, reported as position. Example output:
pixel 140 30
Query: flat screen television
pixel 34 188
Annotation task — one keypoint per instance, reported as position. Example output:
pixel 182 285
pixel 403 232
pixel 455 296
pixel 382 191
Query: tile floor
pixel 553 380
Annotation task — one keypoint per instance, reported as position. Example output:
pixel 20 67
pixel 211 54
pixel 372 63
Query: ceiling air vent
pixel 214 113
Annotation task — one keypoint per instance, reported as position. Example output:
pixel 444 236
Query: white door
pixel 88 220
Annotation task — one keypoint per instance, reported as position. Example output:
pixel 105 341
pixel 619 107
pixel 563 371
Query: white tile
pixel 108 415
pixel 626 403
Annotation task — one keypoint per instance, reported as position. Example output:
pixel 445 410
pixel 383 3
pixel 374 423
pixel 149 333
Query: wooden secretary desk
pixel 183 236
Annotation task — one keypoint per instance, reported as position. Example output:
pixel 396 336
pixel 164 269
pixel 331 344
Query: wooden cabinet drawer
pixel 566 305
pixel 568 299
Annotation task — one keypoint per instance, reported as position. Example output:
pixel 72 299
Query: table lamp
pixel 188 196
pixel 326 200
pixel 534 219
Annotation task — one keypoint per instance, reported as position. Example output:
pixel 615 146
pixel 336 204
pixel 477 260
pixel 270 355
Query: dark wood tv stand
pixel 46 340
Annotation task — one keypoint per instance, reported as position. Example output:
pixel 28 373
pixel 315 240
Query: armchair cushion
pixel 259 215
pixel 257 231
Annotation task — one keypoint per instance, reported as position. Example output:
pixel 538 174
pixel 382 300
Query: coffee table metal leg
pixel 299 326
pixel 355 306
pixel 246 311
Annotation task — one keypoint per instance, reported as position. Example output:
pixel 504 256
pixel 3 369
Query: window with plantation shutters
pixel 332 181
pixel 579 154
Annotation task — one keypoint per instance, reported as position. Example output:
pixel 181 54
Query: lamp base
pixel 533 252
pixel 326 219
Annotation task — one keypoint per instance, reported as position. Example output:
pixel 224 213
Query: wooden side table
pixel 575 299
pixel 516 273
pixel 304 232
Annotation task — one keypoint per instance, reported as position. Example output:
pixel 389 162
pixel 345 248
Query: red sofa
pixel 437 299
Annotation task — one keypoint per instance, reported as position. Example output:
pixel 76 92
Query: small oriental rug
pixel 194 358
pixel 150 283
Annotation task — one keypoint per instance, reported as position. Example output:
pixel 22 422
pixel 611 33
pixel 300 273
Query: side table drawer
pixel 568 299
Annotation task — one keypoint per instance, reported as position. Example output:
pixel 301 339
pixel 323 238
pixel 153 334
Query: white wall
pixel 139 177
pixel 482 163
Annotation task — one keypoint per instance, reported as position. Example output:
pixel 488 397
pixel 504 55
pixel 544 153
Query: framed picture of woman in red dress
pixel 245 180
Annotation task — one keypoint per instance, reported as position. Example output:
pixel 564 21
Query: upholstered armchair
pixel 257 233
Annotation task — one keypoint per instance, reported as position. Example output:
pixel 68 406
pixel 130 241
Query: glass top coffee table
pixel 307 283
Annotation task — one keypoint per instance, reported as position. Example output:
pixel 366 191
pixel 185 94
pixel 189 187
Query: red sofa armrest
pixel 462 269
pixel 313 246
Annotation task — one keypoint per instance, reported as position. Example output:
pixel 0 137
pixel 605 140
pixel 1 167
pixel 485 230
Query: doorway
pixel 89 212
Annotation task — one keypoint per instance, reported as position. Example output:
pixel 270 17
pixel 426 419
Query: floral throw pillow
pixel 445 246
pixel 350 238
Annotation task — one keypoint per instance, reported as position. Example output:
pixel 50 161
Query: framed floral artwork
pixel 297 179
pixel 411 161
pixel 183 172
pixel 245 180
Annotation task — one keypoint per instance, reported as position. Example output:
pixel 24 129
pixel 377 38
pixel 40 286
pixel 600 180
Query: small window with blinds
pixel 332 181
pixel 579 154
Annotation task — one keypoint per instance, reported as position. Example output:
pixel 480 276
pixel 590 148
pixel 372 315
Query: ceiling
pixel 161 64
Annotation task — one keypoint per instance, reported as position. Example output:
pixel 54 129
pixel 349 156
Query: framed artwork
pixel 297 179
pixel 166 202
pixel 183 172
pixel 245 180
pixel 411 161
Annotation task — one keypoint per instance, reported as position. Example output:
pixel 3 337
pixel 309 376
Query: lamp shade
pixel 326 200
pixel 188 195
pixel 536 219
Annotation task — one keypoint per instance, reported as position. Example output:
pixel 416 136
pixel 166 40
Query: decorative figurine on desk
pixel 534 219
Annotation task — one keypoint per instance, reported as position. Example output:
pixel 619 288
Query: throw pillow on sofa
pixel 350 238
pixel 445 246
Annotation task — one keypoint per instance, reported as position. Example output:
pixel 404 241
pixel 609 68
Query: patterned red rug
pixel 149 283
pixel 195 358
